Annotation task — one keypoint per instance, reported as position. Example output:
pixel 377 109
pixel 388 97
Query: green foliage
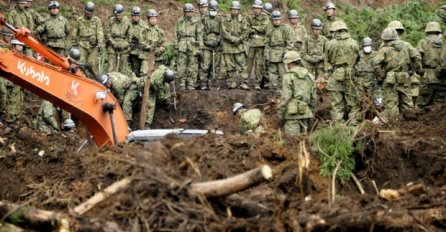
pixel 169 54
pixel 414 15
pixel 100 2
pixel 333 144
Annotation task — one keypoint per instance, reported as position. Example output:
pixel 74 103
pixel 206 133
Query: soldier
pixel 441 12
pixel 235 32
pixel 268 8
pixel 88 36
pixel 341 55
pixel 14 94
pixel 279 41
pixel 5 43
pixel 159 91
pixel 119 84
pixel 300 33
pixel 250 120
pixel 313 50
pixel 431 50
pixel 46 118
pixel 54 31
pixel 187 41
pixel 138 43
pixel 203 7
pixel 298 99
pixel 19 17
pixel 258 24
pixel 211 26
pixel 35 19
pixel 117 38
pixel 364 69
pixel 415 78
pixel 330 11
pixel 156 38
pixel 392 64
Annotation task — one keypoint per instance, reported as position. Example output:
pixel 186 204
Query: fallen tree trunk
pixel 101 196
pixel 232 184
pixel 365 219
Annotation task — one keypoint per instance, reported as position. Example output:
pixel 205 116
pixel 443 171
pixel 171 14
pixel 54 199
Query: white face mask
pixel 367 49
pixel 213 13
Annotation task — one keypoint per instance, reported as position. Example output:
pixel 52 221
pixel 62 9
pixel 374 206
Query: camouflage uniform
pixel 211 27
pixel 21 18
pixel 392 64
pixel 278 41
pixel 187 41
pixel 117 38
pixel 159 92
pixel 34 19
pixel 234 32
pixel 139 45
pixel 341 55
pixel 4 44
pixel 431 48
pixel 131 94
pixel 365 73
pixel 313 53
pixel 54 32
pixel 441 12
pixel 300 35
pixel 120 83
pixel 250 122
pixel 298 100
pixel 157 39
pixel 46 119
pixel 88 36
pixel 258 26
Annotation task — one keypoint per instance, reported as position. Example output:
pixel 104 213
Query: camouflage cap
pixel 397 25
pixel 290 57
pixel 338 25
pixel 433 27
pixel 389 34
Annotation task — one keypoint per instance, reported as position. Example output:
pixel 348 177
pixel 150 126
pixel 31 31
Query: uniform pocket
pixel 390 78
pixel 402 78
pixel 292 108
pixel 302 108
pixel 338 74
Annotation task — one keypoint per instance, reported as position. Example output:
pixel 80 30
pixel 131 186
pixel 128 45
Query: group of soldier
pixel 211 48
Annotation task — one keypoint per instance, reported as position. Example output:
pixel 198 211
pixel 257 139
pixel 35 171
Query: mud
pixel 406 150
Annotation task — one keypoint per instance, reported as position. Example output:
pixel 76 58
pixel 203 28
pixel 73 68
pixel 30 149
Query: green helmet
pixel 338 25
pixel 236 107
pixel 203 3
pixel 397 25
pixel 188 7
pixel 433 27
pixel 290 57
pixel 367 41
pixel 152 13
pixel 257 4
pixel 329 5
pixel 136 11
pixel 75 54
pixel 168 76
pixel 235 5
pixel 21 1
pixel 118 9
pixel 89 8
pixel 276 15
pixel 53 4
pixel 316 24
pixel 293 14
pixel 389 34
pixel 268 8
pixel 6 32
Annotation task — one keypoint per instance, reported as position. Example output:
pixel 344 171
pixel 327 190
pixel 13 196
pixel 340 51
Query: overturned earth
pixel 47 172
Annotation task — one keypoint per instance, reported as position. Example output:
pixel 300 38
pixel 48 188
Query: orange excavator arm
pixel 89 101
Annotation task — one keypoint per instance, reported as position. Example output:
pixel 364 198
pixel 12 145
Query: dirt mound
pixel 60 178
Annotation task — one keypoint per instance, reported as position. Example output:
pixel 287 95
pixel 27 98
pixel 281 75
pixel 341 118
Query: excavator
pixel 86 99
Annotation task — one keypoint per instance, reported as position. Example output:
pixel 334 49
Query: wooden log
pixel 232 184
pixel 101 196
pixel 29 217
pixel 388 218
pixel 249 207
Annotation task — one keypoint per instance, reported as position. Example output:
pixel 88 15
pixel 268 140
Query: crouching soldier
pixel 298 99
pixel 118 83
pixel 250 120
